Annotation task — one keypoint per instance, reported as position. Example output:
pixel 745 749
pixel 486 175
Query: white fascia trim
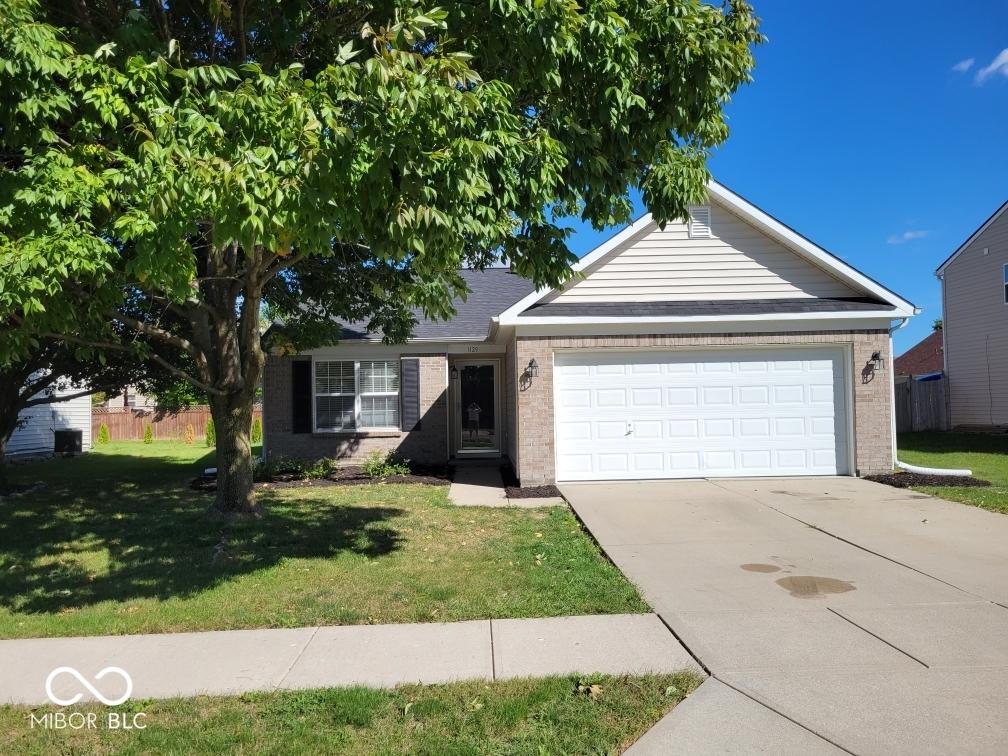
pixel 763 316
pixel 635 228
pixel 806 248
pixel 962 247
pixel 651 329
pixel 757 217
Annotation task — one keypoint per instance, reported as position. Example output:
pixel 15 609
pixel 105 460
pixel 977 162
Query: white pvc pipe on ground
pixel 933 470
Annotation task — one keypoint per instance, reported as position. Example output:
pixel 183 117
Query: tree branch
pixel 153 357
pixel 56 399
pixel 157 333
pixel 282 263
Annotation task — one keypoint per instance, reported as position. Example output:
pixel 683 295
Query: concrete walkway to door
pixel 834 614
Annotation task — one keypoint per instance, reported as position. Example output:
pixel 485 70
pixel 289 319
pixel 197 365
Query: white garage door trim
pixel 709 434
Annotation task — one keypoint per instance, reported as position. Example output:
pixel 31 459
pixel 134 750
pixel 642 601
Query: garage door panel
pixel 646 398
pixel 755 459
pixel 610 397
pixel 754 427
pixel 685 430
pixel 745 412
pixel 794 459
pixel 682 397
pixel 580 398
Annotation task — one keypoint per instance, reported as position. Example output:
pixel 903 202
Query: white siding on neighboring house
pixel 737 261
pixel 975 329
pixel 36 435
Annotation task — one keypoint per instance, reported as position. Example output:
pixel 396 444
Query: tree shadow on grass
pixel 951 442
pixel 119 527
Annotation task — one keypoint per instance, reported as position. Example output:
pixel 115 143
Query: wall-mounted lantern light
pixel 533 368
pixel 454 373
pixel 876 360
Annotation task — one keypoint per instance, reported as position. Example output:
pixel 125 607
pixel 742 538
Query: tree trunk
pixel 232 416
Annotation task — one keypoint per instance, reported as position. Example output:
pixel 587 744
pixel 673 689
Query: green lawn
pixel 114 542
pixel 986 455
pixel 549 716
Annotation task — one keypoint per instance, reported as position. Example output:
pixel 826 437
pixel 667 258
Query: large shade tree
pixel 339 158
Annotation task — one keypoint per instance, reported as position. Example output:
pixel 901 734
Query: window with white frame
pixel 378 386
pixel 351 394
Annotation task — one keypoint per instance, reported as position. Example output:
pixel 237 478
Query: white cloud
pixel 997 66
pixel 906 236
pixel 964 65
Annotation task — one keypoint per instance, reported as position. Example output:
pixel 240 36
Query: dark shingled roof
pixel 706 307
pixel 492 291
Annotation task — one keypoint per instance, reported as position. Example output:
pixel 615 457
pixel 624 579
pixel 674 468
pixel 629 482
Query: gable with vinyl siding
pixel 975 328
pixel 721 257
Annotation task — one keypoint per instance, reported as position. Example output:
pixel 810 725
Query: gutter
pixel 892 382
pixel 959 473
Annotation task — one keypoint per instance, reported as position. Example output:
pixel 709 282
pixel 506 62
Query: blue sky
pixel 859 133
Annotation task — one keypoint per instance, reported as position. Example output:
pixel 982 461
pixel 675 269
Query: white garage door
pixel 779 411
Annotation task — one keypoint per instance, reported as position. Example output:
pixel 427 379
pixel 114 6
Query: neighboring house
pixel 923 358
pixel 726 346
pixel 37 434
pixel 975 325
pixel 131 398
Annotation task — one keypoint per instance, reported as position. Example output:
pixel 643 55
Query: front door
pixel 477 409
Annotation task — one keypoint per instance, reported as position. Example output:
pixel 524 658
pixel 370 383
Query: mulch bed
pixel 344 476
pixel 514 491
pixel 532 492
pixel 908 479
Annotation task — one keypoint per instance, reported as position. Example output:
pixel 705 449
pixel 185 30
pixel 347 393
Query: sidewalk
pixel 237 661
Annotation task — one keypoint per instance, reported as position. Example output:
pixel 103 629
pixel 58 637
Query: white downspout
pixel 892 389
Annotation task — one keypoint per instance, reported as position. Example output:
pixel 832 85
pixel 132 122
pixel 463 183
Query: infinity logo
pixel 94 691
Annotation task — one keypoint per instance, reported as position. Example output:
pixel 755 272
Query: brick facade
pixel 426 446
pixel 872 392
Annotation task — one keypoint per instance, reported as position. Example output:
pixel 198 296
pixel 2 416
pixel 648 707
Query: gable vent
pixel 699 223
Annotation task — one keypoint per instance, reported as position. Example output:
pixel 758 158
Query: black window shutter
pixel 301 396
pixel 409 394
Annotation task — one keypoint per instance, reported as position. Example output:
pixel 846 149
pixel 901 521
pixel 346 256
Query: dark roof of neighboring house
pixel 926 356
pixel 706 307
pixel 491 291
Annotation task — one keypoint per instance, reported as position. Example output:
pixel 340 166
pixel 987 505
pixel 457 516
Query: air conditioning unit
pixel 68 441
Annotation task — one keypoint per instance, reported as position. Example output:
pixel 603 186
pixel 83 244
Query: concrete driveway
pixel 834 614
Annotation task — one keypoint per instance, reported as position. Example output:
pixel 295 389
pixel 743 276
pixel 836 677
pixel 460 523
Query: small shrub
pixel 190 434
pixel 211 434
pixel 148 434
pixel 379 464
pixel 257 430
pixel 320 468
pixel 265 468
pixel 104 436
pixel 298 469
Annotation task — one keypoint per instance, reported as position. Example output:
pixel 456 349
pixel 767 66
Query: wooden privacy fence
pixel 127 424
pixel 921 405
